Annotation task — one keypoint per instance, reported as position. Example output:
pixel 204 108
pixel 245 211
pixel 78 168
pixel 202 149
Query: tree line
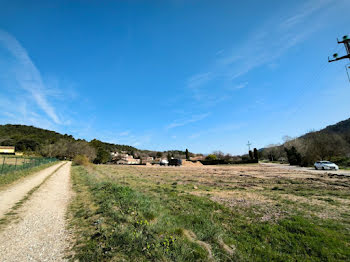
pixel 41 142
pixel 331 143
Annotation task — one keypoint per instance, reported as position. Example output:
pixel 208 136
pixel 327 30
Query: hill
pixel 38 141
pixel 341 128
pixel 41 142
pixel 330 143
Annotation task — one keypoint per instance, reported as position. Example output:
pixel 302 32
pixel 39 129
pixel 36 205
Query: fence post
pixel 3 163
pixel 16 164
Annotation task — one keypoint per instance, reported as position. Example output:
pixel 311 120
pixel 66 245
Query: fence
pixel 12 163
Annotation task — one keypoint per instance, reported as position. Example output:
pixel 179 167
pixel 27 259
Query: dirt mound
pixel 190 163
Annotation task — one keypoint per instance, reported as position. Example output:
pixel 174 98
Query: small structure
pixel 7 150
pixel 147 159
pixel 124 159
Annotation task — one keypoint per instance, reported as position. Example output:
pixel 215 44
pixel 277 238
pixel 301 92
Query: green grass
pixel 6 179
pixel 129 217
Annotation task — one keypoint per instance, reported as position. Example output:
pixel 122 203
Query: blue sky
pixel 159 75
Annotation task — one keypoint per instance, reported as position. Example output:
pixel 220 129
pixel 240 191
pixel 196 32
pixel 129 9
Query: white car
pixel 325 165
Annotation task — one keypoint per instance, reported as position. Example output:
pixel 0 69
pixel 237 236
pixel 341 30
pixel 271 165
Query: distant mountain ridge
pixel 341 128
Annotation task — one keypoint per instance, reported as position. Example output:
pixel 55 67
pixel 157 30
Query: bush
pixel 211 157
pixel 294 157
pixel 341 161
pixel 81 160
pixel 256 154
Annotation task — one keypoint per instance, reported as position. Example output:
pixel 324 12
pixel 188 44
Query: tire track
pixel 14 193
pixel 41 233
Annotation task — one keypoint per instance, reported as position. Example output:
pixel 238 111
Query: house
pixel 147 159
pixel 124 159
pixel 7 150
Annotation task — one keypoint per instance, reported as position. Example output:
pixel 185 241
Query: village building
pixel 7 150
pixel 147 159
pixel 124 159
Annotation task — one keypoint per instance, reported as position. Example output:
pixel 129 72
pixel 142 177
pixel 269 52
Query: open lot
pixel 209 213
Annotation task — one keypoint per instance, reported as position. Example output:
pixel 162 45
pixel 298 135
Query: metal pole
pixel 16 164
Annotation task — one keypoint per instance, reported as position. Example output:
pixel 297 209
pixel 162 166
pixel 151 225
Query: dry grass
pixel 270 190
pixel 221 213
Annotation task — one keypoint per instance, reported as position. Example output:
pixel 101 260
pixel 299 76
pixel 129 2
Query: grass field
pixel 211 213
pixel 8 178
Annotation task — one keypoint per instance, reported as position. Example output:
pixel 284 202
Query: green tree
pixel 256 154
pixel 294 157
pixel 102 156
pixel 187 154
pixel 251 154
pixel 159 154
pixel 211 157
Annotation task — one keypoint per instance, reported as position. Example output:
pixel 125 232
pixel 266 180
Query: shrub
pixel 251 154
pixel 294 157
pixel 256 154
pixel 211 157
pixel 81 160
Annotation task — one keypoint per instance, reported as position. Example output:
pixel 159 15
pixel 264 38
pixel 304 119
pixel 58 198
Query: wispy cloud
pixel 307 9
pixel 273 39
pixel 241 85
pixel 183 122
pixel 199 79
pixel 27 75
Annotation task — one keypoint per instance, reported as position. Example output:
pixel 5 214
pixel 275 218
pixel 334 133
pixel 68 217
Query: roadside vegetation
pixel 8 178
pixel 241 213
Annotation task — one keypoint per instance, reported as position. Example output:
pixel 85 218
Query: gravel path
pixel 16 192
pixel 41 233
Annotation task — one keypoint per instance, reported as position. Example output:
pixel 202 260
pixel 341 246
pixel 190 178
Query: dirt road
pixel 16 192
pixel 308 169
pixel 40 234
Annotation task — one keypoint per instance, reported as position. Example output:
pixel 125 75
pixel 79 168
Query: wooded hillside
pixel 331 143
pixel 38 141
pixel 41 142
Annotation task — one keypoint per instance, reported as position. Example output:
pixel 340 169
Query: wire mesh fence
pixel 12 163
